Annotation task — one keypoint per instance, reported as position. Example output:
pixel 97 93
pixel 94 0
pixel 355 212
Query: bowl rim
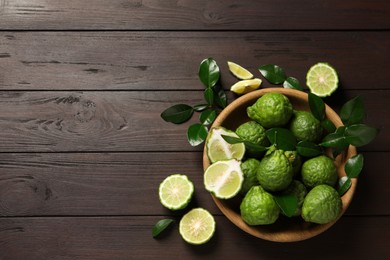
pixel 284 235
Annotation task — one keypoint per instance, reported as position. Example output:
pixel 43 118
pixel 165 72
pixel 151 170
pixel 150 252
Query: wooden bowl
pixel 284 229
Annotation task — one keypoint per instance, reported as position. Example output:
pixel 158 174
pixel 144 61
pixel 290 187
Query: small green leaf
pixel 293 83
pixel 309 149
pixel 317 106
pixel 220 97
pixel 201 107
pixel 335 140
pixel 207 117
pixel 344 185
pixel 360 134
pixel 273 73
pixel 352 111
pixel 177 114
pixel 209 96
pixel 196 134
pixel 160 226
pixel 283 138
pixel 354 166
pixel 287 203
pixel 248 145
pixel 328 125
pixel 209 72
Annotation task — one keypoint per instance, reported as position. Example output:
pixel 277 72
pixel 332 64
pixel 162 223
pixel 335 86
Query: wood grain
pixel 130 237
pixel 193 15
pixel 48 121
pixel 170 60
pixel 105 184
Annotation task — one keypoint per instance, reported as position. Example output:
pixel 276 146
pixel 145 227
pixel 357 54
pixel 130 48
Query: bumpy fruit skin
pixel 319 170
pixel 249 169
pixel 299 190
pixel 321 205
pixel 255 133
pixel 271 110
pixel 275 171
pixel 305 126
pixel 259 207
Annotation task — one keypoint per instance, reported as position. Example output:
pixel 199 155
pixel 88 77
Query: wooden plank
pixel 130 237
pixel 170 60
pixel 46 121
pixel 127 183
pixel 190 15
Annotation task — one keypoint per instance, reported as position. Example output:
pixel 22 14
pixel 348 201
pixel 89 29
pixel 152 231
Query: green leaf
pixel 293 83
pixel 283 138
pixel 352 112
pixel 209 72
pixel 308 149
pixel 196 134
pixel 201 107
pixel 317 106
pixel 273 73
pixel 344 185
pixel 209 96
pixel 287 203
pixel 248 145
pixel 160 226
pixel 328 125
pixel 177 114
pixel 336 140
pixel 354 166
pixel 360 134
pixel 220 98
pixel 207 117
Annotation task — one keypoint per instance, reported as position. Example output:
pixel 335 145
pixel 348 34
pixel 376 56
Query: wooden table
pixel 83 147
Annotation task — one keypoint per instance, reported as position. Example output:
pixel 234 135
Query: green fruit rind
pixel 319 170
pixel 271 110
pixel 259 207
pixel 249 170
pixel 305 126
pixel 321 205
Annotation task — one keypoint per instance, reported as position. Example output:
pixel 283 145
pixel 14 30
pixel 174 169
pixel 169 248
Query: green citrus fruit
pixel 253 132
pixel 176 191
pixel 259 207
pixel 249 169
pixel 305 126
pixel 322 79
pixel 271 110
pixel 319 170
pixel 218 149
pixel 197 226
pixel 299 190
pixel 224 178
pixel 321 205
pixel 275 171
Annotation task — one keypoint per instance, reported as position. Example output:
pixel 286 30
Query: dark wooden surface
pixel 82 145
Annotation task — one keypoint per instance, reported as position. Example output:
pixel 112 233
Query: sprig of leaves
pixel 216 100
pixel 352 168
pixel 276 75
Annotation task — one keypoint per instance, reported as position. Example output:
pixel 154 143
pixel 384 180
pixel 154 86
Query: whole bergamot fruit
pixel 255 133
pixel 299 190
pixel 249 169
pixel 271 110
pixel 319 170
pixel 305 126
pixel 259 207
pixel 321 205
pixel 275 171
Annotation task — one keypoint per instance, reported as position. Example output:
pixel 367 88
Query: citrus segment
pixel 322 79
pixel 176 191
pixel 224 178
pixel 197 226
pixel 218 149
pixel 246 86
pixel 239 71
